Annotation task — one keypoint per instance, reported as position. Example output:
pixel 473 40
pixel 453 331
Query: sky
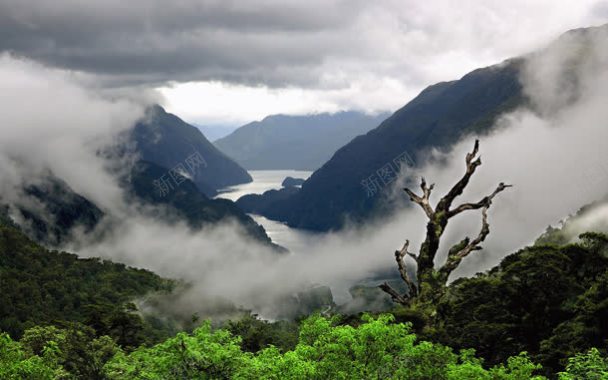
pixel 226 63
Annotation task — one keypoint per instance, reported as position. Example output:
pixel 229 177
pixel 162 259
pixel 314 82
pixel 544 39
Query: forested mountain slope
pixel 184 201
pixel 168 141
pixel 353 182
pixel 50 212
pixel 38 286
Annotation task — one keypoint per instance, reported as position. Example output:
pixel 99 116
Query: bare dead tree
pixel 430 283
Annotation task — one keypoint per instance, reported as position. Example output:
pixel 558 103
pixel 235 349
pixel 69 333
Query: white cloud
pixel 211 103
pixel 319 55
pixel 51 122
pixel 395 49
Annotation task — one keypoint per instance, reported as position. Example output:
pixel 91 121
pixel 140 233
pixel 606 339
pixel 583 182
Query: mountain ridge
pixel 298 142
pixel 438 117
pixel 166 140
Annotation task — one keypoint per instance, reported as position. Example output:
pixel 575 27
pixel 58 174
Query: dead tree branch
pixel 438 218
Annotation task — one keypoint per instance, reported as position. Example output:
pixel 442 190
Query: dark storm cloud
pixel 156 41
pixel 279 43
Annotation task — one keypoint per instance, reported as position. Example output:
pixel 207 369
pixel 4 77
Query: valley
pixel 288 190
pixel 264 180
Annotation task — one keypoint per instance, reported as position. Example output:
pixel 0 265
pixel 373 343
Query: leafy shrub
pixel 376 349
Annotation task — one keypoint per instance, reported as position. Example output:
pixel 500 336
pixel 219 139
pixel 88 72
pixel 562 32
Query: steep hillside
pixel 353 182
pixel 186 202
pixel 49 211
pixel 38 286
pixel 168 141
pixel 295 142
pixel 563 311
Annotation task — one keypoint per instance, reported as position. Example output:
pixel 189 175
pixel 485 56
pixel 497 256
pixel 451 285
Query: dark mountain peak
pixel 349 186
pixel 168 141
pixel 49 211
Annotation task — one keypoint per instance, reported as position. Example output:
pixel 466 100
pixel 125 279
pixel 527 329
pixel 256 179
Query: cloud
pixel 555 156
pixel 281 43
pixel 148 41
pixel 213 102
pixel 53 122
pixel 50 122
pixel 282 56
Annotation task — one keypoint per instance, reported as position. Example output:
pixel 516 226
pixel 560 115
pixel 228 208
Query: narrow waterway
pixel 263 180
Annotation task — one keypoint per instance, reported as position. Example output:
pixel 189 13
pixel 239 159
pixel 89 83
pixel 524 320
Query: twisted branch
pixel 412 290
pixel 486 201
pixel 424 200
pixel 438 220
pixel 472 164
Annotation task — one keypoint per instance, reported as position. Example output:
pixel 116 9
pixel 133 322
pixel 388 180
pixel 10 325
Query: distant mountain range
pixel 353 185
pixel 282 142
pixel 166 140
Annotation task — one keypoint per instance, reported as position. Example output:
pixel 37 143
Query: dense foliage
pixel 187 203
pixel 38 286
pixel 375 349
pixel 551 301
pixel 77 323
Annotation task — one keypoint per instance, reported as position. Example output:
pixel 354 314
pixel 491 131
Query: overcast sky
pixel 230 62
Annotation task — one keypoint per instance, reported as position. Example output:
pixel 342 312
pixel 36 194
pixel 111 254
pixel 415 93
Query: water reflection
pixel 263 180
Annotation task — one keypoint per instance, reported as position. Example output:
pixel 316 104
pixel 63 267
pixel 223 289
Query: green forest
pixel 541 313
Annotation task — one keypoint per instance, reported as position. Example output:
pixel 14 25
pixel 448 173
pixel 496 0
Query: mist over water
pixel 548 155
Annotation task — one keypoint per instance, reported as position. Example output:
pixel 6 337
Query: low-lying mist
pixel 555 156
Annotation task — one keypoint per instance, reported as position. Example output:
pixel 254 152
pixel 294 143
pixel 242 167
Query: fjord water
pixel 263 180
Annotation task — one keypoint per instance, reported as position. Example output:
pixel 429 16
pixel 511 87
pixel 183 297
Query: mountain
pixel 295 142
pixel 166 140
pixel 49 211
pixel 42 287
pixel 188 203
pixel 437 118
